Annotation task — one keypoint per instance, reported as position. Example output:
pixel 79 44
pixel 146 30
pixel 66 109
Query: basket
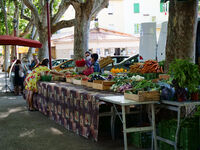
pixel 143 96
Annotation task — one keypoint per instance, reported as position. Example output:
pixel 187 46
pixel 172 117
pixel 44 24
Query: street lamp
pixel 49 33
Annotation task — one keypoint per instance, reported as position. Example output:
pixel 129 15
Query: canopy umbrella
pixel 11 40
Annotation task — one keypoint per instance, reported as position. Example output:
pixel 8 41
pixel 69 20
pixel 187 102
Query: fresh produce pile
pixel 73 74
pixel 118 70
pixel 96 76
pixel 144 85
pixel 151 66
pixel 80 63
pixel 123 83
pixel 136 68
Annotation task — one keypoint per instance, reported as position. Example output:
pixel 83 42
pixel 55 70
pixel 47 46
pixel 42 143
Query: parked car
pixel 69 64
pixel 58 61
pixel 118 59
pixel 125 63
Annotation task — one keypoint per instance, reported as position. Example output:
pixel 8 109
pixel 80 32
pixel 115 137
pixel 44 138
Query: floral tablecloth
pixel 74 107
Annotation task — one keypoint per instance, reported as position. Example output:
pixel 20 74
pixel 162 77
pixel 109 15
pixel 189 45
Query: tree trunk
pixel 6 57
pixel 43 52
pixel 81 34
pixel 33 37
pixel 181 30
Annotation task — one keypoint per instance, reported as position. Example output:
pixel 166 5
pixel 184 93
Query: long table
pixel 74 107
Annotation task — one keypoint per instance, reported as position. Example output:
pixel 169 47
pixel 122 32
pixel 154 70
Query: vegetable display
pixel 80 63
pixel 123 83
pixel 118 70
pixel 136 68
pixel 151 66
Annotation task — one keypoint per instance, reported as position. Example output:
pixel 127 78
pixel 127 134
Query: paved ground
pixel 24 130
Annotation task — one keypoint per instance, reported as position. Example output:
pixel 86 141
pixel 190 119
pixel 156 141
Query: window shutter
pixel 161 7
pixel 136 8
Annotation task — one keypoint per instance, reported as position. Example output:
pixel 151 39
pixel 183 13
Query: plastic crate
pixel 141 139
pixel 188 135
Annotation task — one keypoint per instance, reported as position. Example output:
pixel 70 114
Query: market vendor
pixel 88 59
pixel 32 79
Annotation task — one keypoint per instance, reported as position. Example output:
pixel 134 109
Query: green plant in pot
pixel 185 76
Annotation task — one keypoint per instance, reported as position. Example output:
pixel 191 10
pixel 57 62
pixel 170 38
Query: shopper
pixel 34 62
pixel 32 79
pixel 18 77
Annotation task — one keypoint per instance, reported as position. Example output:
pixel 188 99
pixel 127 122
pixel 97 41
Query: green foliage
pixel 145 85
pixel 10 8
pixel 186 74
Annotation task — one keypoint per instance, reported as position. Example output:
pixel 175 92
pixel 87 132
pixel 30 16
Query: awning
pixel 11 40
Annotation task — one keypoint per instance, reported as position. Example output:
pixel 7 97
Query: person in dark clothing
pixel 19 77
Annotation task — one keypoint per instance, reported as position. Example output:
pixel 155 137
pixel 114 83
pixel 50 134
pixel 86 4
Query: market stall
pixel 75 104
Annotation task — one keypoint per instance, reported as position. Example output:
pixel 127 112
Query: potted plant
pixel 186 77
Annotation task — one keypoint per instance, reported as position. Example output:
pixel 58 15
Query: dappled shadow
pixel 10 111
pixel 54 131
pixel 28 133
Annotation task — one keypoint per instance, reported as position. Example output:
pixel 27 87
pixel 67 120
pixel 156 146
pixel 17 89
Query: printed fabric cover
pixel 74 107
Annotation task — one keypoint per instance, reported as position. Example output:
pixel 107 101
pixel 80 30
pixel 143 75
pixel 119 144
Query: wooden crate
pixel 84 82
pixel 102 85
pixel 164 76
pixel 77 82
pixel 69 80
pixel 89 84
pixel 98 86
pixel 108 83
pixel 143 96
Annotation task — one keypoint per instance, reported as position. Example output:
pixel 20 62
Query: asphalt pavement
pixel 21 129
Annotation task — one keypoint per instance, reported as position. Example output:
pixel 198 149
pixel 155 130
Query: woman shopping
pixel 18 77
pixel 32 79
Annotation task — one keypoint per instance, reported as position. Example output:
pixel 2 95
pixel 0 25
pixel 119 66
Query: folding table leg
pixel 112 122
pixel 178 127
pixel 154 126
pixel 124 128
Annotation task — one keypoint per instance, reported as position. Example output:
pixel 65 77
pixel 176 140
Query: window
pixel 136 8
pixel 110 10
pixel 162 7
pixel 106 52
pixel 136 28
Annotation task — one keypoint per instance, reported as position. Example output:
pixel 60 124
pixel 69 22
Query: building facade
pixel 127 15
pixel 101 41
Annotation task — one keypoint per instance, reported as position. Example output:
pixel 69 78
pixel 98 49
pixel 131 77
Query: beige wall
pixel 65 49
pixel 116 19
